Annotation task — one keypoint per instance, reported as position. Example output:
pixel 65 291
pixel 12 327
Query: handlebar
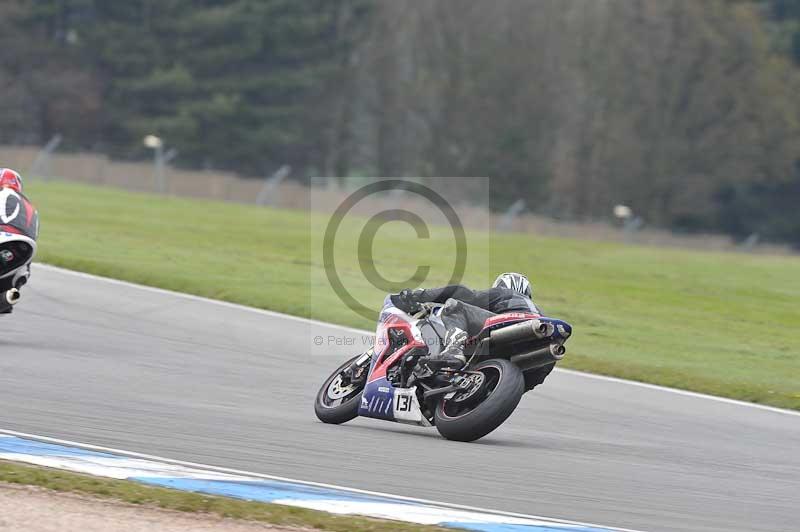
pixel 426 309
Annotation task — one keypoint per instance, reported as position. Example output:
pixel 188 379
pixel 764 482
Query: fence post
pixel 516 208
pixel 750 242
pixel 264 195
pixel 43 157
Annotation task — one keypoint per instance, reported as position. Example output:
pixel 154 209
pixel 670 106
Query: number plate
pixel 406 406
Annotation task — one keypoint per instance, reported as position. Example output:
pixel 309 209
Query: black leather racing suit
pixel 468 310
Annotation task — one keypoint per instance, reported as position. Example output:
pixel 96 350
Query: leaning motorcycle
pixel 512 353
pixel 19 229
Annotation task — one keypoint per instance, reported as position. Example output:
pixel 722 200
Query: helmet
pixel 514 281
pixel 10 179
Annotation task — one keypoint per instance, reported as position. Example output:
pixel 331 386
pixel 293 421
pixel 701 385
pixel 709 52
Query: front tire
pixel 336 403
pixel 501 389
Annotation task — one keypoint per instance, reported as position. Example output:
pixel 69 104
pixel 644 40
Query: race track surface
pixel 115 365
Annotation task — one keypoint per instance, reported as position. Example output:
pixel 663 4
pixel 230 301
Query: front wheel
pixel 336 401
pixel 468 416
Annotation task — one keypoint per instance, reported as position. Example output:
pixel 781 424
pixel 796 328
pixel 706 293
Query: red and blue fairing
pixel 563 330
pixel 395 336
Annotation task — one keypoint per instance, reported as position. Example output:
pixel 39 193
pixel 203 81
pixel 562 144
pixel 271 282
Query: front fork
pixel 357 371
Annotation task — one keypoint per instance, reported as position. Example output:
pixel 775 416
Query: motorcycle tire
pixel 344 411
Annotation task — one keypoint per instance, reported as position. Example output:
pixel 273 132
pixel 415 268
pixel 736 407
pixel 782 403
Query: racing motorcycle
pixel 19 229
pixel 512 353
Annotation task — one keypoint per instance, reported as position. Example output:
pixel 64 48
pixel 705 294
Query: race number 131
pixel 403 403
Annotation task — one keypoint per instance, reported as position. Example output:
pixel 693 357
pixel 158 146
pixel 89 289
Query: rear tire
pixel 505 386
pixel 326 411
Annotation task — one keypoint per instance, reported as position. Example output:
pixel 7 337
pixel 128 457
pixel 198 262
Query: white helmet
pixel 514 281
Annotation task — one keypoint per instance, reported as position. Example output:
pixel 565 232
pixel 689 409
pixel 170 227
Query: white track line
pixel 677 391
pixel 309 321
pixel 192 297
pixel 240 472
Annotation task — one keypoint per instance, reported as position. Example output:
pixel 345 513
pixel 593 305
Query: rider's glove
pixel 405 301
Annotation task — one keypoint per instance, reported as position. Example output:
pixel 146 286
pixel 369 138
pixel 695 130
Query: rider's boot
pixel 453 352
pixel 451 356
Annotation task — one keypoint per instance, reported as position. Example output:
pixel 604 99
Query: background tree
pixel 45 87
pixel 685 110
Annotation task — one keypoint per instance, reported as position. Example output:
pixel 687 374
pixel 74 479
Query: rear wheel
pixel 338 401
pixel 475 413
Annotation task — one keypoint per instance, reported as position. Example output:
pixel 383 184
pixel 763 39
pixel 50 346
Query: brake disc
pixel 476 381
pixel 337 390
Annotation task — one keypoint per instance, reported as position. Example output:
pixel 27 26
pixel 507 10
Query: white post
pixel 43 157
pixel 513 212
pixel 157 145
pixel 270 183
pixel 159 164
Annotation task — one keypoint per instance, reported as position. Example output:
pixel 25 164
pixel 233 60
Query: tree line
pixel 687 111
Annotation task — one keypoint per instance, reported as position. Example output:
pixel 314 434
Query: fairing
pixel 380 398
pixel 19 229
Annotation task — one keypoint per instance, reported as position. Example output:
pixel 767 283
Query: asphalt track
pixel 116 365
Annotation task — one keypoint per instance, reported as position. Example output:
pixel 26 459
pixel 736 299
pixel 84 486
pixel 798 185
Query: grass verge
pixel 134 493
pixel 722 323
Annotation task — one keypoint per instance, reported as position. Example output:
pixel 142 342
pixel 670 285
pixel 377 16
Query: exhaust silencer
pixel 522 331
pixel 539 357
pixel 12 296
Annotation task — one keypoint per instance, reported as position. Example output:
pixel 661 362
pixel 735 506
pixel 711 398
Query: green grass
pixel 183 501
pixel 721 323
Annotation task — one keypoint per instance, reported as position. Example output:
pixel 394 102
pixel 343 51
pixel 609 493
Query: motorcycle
pixel 510 355
pixel 19 229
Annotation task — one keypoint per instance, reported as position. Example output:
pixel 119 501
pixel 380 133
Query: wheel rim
pixel 337 392
pixel 455 408
pixel 476 383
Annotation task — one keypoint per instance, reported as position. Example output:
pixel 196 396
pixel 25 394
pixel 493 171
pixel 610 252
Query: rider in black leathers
pixel 466 310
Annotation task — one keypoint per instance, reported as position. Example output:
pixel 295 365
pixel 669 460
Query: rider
pixel 11 181
pixel 465 310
